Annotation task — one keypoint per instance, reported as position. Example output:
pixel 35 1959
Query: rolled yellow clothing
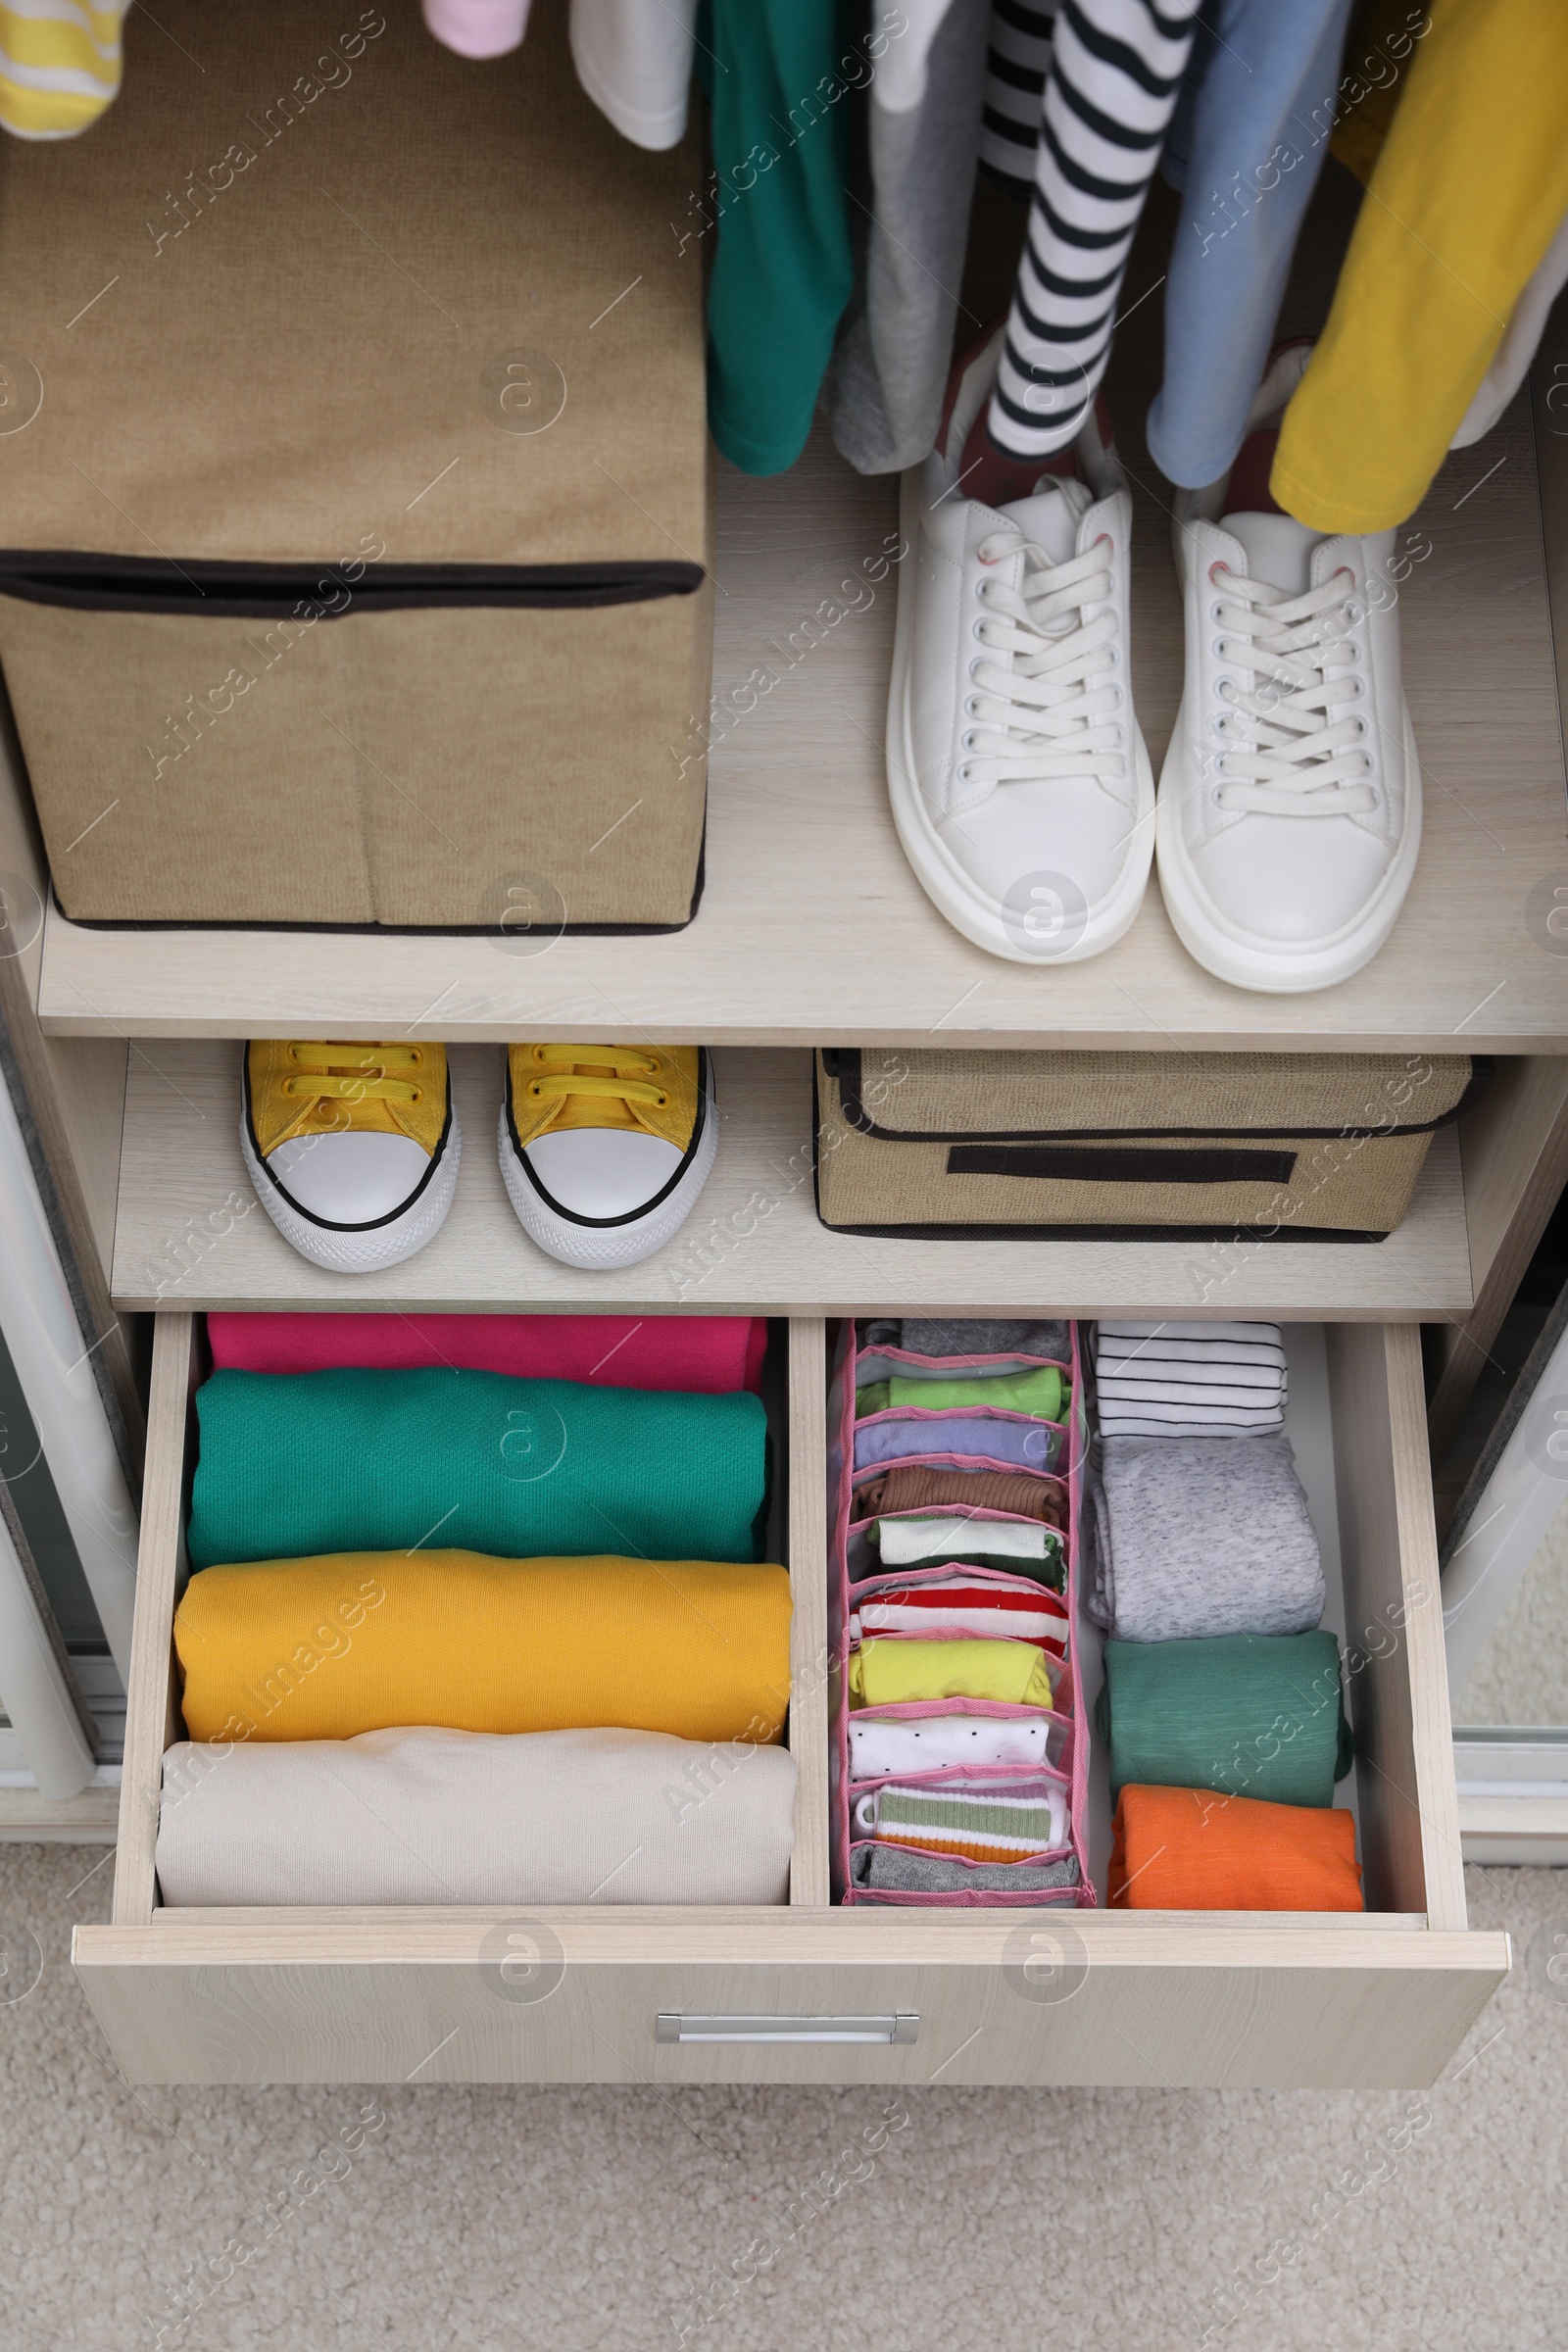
pixel 359 1641
pixel 885 1674
pixel 1466 194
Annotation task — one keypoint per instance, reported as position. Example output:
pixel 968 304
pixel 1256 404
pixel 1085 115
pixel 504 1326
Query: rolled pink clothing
pixel 477 28
pixel 705 1356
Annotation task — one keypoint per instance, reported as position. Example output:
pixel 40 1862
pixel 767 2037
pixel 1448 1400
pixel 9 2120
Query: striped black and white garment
pixel 1115 70
pixel 1017 61
pixel 1189 1380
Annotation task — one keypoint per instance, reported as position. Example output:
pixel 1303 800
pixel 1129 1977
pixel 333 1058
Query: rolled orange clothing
pixel 355 1641
pixel 1190 1849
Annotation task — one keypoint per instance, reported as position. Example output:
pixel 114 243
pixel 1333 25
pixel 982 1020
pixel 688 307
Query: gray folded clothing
pixel 1198 1537
pixel 964 1335
pixel 898 1870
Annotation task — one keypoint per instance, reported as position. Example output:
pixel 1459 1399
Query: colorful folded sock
pixel 364 1641
pixel 1014 1445
pixel 427 1815
pixel 957 1604
pixel 898 1869
pixel 884 1743
pixel 887 1673
pixel 1257 1715
pixel 1023 1546
pixel 926 1334
pixel 919 1487
pixel 986 1821
pixel 1186 1849
pixel 1041 1392
pixel 705 1355
pixel 383 1462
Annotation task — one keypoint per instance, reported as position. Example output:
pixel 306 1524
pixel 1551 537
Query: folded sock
pixel 372 1461
pixel 1015 1444
pixel 957 1604
pixel 885 1673
pixel 1198 1537
pixel 434 1816
pixel 987 1821
pixel 1185 1849
pixel 884 1743
pixel 1042 1393
pixel 900 1870
pixel 362 1642
pixel 924 1334
pixel 705 1356
pixel 1188 1379
pixel 918 1487
pixel 1257 1715
pixel 928 1543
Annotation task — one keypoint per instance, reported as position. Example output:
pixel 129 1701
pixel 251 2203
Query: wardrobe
pixel 812 932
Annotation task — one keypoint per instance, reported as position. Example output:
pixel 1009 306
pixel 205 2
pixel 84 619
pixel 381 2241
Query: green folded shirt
pixel 1257 1715
pixel 293 1465
pixel 1042 1393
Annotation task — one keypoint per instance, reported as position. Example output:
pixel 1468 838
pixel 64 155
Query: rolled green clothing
pixel 295 1466
pixel 1259 1715
pixel 1042 1393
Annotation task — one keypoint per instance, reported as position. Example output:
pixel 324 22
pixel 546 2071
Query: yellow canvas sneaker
pixel 605 1148
pixel 353 1148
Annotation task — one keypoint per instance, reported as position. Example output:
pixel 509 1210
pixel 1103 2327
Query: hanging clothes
pixel 782 271
pixel 1467 193
pixel 1116 67
pixel 59 65
pixel 1245 146
pixel 890 371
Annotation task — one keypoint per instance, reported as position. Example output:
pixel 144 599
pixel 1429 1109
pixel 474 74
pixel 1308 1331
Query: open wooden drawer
pixel 810 1992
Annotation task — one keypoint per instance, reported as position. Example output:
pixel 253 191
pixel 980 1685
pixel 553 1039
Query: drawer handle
pixel 673 2027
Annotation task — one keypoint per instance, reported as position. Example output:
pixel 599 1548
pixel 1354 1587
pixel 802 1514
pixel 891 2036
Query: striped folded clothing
pixel 923 1487
pixel 890 1743
pixel 984 1821
pixel 1189 1380
pixel 889 1672
pixel 1023 1547
pixel 901 1870
pixel 956 1604
pixel 1042 1392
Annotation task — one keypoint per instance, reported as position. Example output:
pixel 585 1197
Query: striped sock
pixel 1115 68
pixel 58 65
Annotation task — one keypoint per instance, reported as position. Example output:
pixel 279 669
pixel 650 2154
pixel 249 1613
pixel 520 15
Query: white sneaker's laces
pixel 1289 751
pixel 1047 713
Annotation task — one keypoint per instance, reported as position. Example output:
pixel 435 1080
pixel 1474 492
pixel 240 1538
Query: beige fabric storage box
pixel 356 547
pixel 1128 1147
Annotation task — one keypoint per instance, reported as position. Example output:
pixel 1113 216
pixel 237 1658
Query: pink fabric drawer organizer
pixel 853 1366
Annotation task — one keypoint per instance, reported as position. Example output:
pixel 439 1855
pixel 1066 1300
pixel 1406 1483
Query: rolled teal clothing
pixel 779 80
pixel 296 1464
pixel 1245 145
pixel 1248 1714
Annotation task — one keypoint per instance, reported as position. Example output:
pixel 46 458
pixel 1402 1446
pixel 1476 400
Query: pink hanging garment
pixel 477 28
pixel 704 1355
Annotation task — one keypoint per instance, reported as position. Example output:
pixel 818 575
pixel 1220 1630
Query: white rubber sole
pixel 366 1248
pixel 1261 965
pixel 949 889
pixel 598 1247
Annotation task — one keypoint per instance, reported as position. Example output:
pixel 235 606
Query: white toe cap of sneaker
pixel 352 1179
pixel 1300 882
pixel 602 1172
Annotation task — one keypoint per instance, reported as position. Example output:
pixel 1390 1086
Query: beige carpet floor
pixel 502 2221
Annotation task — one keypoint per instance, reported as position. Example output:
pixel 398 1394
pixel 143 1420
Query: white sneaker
pixel 1020 787
pixel 1290 804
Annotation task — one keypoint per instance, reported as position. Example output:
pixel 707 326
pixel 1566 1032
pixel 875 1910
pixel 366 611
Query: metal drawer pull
pixel 673 2027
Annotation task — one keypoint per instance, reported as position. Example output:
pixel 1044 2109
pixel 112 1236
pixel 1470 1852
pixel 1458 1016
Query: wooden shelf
pixel 184 1236
pixel 814 929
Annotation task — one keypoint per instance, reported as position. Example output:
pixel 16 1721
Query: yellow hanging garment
pixel 1466 196
pixel 58 65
